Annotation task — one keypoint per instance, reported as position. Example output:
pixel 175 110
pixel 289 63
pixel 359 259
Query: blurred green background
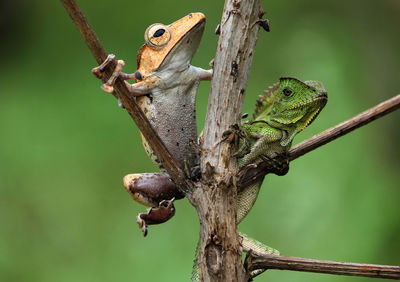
pixel 65 145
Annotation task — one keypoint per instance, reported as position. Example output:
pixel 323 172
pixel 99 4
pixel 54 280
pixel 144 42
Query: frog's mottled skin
pixel 169 84
pixel 171 87
pixel 165 89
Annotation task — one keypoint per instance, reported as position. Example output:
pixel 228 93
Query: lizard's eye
pixel 287 92
pixel 157 35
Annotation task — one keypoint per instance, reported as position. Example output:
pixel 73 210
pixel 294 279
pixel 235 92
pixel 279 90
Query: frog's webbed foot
pixel 278 164
pixel 161 214
pixel 152 189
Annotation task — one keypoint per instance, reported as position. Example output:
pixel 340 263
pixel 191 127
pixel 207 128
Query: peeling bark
pixel 215 195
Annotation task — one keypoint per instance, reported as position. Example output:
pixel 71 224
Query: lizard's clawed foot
pixel 279 164
pixel 161 214
pixel 234 135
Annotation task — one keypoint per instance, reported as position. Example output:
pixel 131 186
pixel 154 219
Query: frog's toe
pixel 142 224
pixel 99 71
pixel 107 88
pixel 120 104
pixel 161 214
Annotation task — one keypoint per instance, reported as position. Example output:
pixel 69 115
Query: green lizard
pixel 284 110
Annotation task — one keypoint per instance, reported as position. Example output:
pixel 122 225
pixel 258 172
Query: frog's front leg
pixel 204 74
pixel 136 89
pixel 155 190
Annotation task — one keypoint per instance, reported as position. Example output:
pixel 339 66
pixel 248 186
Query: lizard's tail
pixel 195 270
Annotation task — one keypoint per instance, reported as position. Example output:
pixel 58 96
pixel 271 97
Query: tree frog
pixel 165 90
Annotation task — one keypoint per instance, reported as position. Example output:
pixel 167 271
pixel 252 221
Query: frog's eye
pixel 157 35
pixel 287 92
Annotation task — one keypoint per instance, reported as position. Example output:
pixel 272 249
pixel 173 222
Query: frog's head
pixel 296 106
pixel 170 46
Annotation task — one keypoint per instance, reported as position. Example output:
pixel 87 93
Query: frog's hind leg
pixel 163 213
pixel 150 189
pixel 155 190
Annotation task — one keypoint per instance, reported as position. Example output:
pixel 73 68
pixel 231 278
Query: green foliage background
pixel 65 145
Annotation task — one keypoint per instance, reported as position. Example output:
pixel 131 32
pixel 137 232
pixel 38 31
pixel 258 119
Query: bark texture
pixel 215 196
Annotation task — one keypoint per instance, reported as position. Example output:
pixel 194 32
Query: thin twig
pixel 327 136
pixel 345 127
pixel 121 90
pixel 254 262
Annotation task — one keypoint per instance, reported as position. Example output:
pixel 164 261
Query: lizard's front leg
pixel 236 135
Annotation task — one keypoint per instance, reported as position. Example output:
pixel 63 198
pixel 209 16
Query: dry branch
pixel 215 205
pixel 254 262
pixel 215 195
pixel 327 136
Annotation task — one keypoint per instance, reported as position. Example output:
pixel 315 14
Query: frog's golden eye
pixel 157 35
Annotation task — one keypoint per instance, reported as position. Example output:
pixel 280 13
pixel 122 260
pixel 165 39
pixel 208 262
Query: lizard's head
pixel 296 105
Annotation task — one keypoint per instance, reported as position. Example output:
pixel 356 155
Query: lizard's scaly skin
pixel 284 110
